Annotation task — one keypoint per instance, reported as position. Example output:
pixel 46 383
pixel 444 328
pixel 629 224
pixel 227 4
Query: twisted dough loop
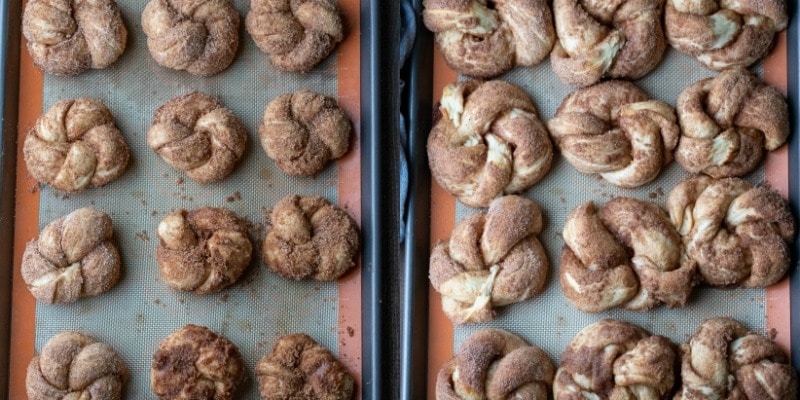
pixel 73 365
pixel 297 34
pixel 75 145
pixel 492 259
pixel 488 142
pixel 199 36
pixel 613 359
pixel 597 273
pixel 297 367
pixel 722 34
pixel 196 134
pixel 75 256
pixel 495 364
pixel 737 233
pixel 598 39
pixel 724 360
pixel 613 129
pixel 483 40
pixel 728 121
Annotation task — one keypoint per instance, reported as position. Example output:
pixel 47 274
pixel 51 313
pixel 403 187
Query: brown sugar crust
pixel 484 39
pixel 75 145
pixel 723 360
pixel 488 142
pixel 492 259
pixel 738 234
pixel 626 254
pixel 203 250
pixel 309 237
pixel 495 364
pixel 297 34
pixel 75 256
pixel 724 34
pixel 199 36
pixel 303 131
pixel 728 122
pixel 67 37
pixel 196 134
pixel 615 130
pixel 73 365
pixel 600 39
pixel 613 359
pixel 297 367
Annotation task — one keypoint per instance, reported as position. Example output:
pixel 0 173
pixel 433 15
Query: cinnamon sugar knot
pixel 738 233
pixel 75 145
pixel 75 256
pixel 73 365
pixel 495 364
pixel 297 367
pixel 483 38
pixel 728 122
pixel 615 130
pixel 626 254
pixel 297 34
pixel 600 39
pixel 723 360
pixel 488 142
pixel 492 259
pixel 613 359
pixel 196 134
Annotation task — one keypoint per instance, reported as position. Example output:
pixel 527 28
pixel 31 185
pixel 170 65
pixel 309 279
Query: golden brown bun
pixel 613 359
pixel 483 40
pixel 67 37
pixel 615 130
pixel 488 142
pixel 495 364
pixel 75 145
pixel 309 237
pixel 299 368
pixel 626 254
pixel 492 259
pixel 739 234
pixel 728 121
pixel 297 34
pixel 196 134
pixel 199 36
pixel 75 256
pixel 600 39
pixel 194 363
pixel 73 365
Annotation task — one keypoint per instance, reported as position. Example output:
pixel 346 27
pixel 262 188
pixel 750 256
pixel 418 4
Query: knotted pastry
pixel 488 142
pixel 309 237
pixel 75 145
pixel 597 39
pixel 203 250
pixel 724 34
pixel 67 37
pixel 196 134
pixel 195 363
pixel 199 36
pixel 75 256
pixel 297 367
pixel 723 360
pixel 728 121
pixel 739 234
pixel 297 35
pixel 626 254
pixel 492 259
pixel 483 38
pixel 73 365
pixel 615 130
